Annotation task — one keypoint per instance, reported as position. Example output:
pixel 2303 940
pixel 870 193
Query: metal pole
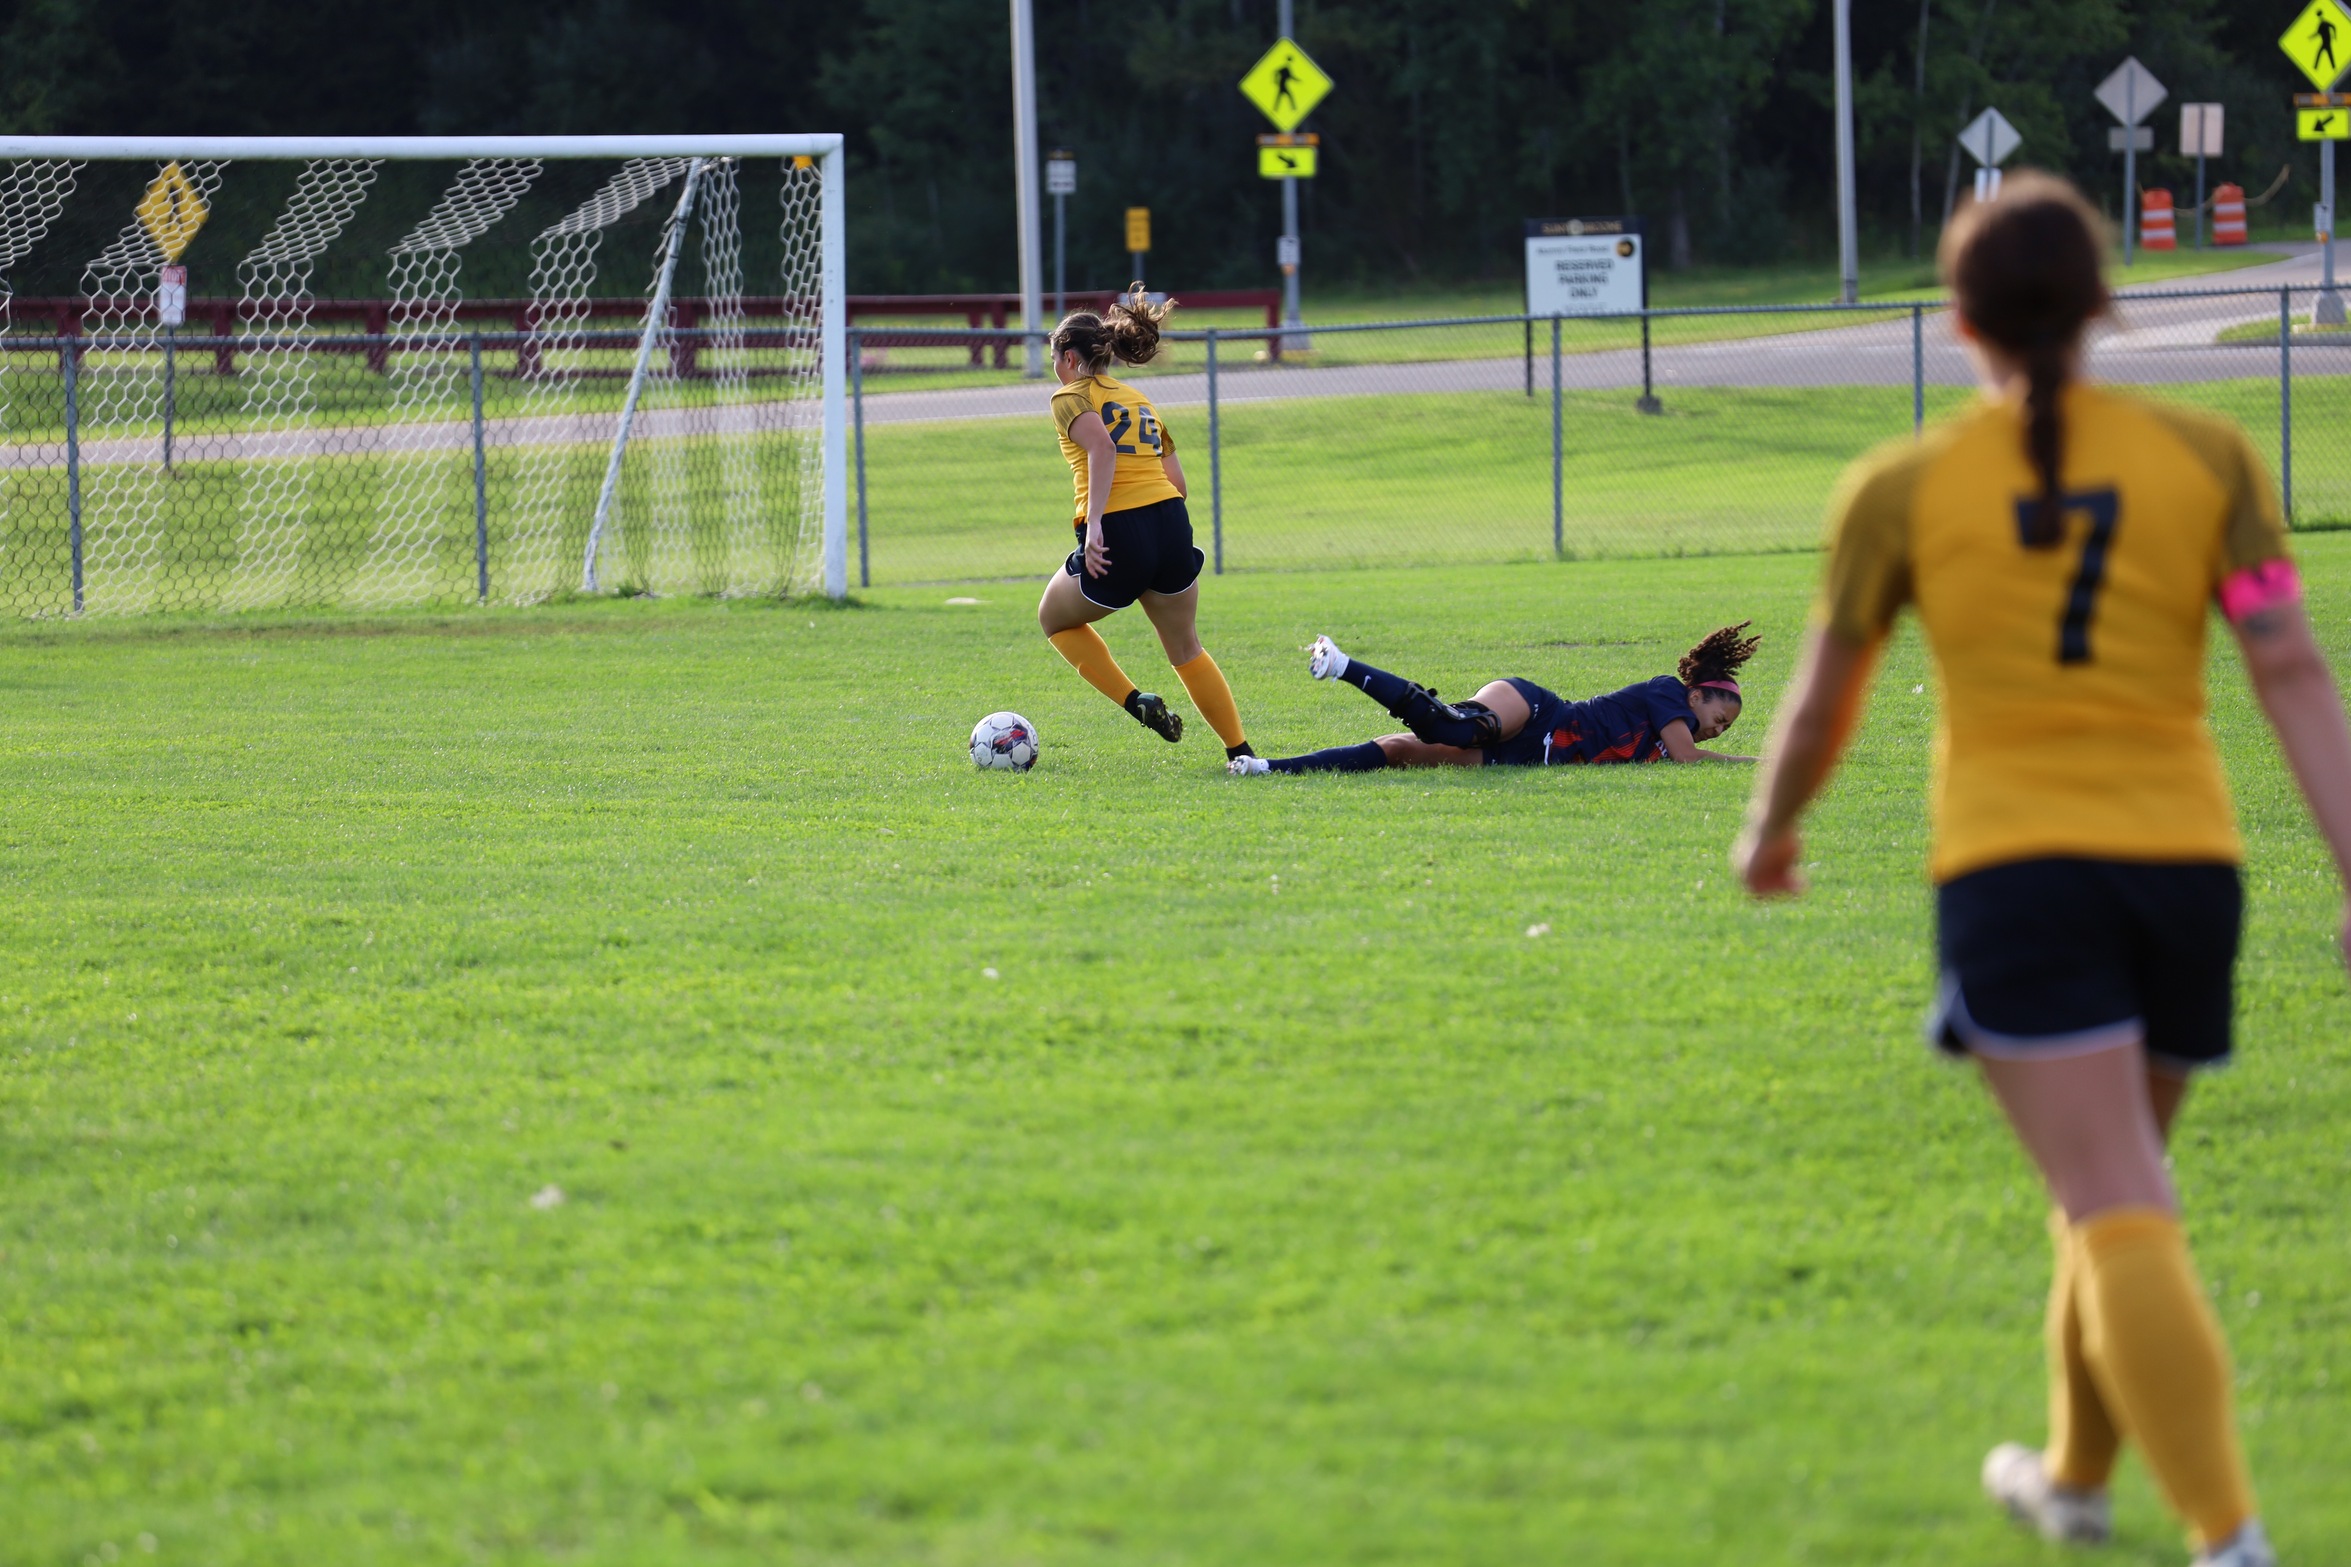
pixel 170 390
pixel 832 288
pixel 1558 451
pixel 481 482
pixel 2286 402
pixel 1024 155
pixel 1848 242
pixel 2328 310
pixel 1530 356
pixel 857 422
pixel 1215 464
pixel 2130 166
pixel 1648 403
pixel 1060 256
pixel 2199 184
pixel 1918 369
pixel 69 353
pixel 1293 339
pixel 656 318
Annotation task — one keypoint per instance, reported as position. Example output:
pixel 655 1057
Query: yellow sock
pixel 1090 656
pixel 2083 1441
pixel 1212 696
pixel 2156 1349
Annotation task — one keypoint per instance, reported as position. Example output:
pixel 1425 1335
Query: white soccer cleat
pixel 2248 1547
pixel 2014 1478
pixel 1248 766
pixel 1324 661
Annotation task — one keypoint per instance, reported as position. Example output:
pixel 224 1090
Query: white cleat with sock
pixel 1248 766
pixel 2248 1547
pixel 2015 1478
pixel 1324 661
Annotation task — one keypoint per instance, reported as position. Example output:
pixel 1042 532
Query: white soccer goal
pixel 242 372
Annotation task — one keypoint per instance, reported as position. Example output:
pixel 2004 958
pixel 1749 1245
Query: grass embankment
pixel 1122 1163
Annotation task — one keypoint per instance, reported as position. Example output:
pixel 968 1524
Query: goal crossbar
pixel 729 146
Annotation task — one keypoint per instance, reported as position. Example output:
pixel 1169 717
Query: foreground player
pixel 1516 723
pixel 1134 536
pixel 2061 544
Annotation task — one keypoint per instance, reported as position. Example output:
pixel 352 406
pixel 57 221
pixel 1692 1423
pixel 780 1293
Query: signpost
pixel 2200 139
pixel 1286 85
pixel 1024 177
pixel 171 211
pixel 2317 44
pixel 1989 139
pixel 2130 95
pixel 1061 183
pixel 1138 238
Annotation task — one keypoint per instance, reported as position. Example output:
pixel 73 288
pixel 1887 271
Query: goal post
pixel 242 372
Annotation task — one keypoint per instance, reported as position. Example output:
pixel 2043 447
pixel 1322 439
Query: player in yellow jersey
pixel 1134 536
pixel 2061 544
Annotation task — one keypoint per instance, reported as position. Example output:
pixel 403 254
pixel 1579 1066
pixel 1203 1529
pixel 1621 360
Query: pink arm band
pixel 2256 588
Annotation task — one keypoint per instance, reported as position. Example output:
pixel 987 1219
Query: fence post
pixel 1215 465
pixel 1648 403
pixel 68 350
pixel 1918 369
pixel 1530 325
pixel 1558 469
pixel 857 424
pixel 2286 402
pixel 481 481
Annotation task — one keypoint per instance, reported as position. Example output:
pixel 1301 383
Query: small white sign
pixel 2200 130
pixel 2140 136
pixel 171 296
pixel 1987 184
pixel 1585 267
pixel 1285 251
pixel 1061 176
pixel 2132 92
pixel 1989 138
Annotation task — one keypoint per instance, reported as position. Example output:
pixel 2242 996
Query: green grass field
pixel 1120 1164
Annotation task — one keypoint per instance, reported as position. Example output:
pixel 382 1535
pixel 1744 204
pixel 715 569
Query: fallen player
pixel 1516 723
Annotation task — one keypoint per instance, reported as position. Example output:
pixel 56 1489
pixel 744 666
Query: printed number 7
pixel 2104 509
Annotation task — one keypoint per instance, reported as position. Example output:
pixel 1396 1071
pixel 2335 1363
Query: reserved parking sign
pixel 1585 266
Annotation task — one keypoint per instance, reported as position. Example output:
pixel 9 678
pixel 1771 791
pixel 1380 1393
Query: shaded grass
pixel 1278 1199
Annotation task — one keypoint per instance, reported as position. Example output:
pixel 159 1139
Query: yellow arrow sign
pixel 2319 43
pixel 2323 124
pixel 1286 85
pixel 1286 163
pixel 172 211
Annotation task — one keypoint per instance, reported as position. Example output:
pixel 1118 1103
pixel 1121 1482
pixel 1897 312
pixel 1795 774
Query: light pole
pixel 1294 339
pixel 1848 244
pixel 1024 159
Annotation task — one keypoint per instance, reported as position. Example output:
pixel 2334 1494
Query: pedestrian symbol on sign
pixel 1285 85
pixel 2317 41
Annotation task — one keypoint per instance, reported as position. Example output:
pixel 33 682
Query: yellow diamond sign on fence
pixel 172 211
pixel 1286 85
pixel 2319 42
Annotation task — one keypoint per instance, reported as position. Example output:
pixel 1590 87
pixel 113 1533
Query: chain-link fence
pixel 1503 438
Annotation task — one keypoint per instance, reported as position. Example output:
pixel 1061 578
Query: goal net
pixel 238 373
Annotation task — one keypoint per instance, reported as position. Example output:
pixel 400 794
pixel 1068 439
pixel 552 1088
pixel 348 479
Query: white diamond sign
pixel 2132 92
pixel 1989 138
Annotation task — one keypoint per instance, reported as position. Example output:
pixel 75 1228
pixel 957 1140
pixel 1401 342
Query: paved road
pixel 2155 340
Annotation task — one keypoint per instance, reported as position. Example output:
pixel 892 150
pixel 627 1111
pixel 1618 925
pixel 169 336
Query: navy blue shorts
pixel 1151 551
pixel 1531 746
pixel 2062 957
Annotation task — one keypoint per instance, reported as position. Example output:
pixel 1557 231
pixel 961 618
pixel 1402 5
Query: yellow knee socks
pixel 2156 1351
pixel 2083 1441
pixel 1212 696
pixel 1090 656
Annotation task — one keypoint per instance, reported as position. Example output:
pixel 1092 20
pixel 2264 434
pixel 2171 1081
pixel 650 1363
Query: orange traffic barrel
pixel 2155 226
pixel 2228 215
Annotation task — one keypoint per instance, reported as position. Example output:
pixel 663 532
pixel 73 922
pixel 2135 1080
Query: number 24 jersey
pixel 1136 435
pixel 2072 679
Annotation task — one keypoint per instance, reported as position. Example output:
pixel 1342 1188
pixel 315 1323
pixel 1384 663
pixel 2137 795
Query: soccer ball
pixel 1004 740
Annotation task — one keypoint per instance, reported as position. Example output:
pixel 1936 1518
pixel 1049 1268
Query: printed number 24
pixel 2103 507
pixel 1121 421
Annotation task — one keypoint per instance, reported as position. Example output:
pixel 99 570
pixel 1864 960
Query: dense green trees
pixel 1451 123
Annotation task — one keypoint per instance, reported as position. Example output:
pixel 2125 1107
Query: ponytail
pixel 1719 657
pixel 2025 272
pixel 1128 332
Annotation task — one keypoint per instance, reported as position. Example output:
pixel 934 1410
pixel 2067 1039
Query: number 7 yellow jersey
pixel 2072 679
pixel 1135 432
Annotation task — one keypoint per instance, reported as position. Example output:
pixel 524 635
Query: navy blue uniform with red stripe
pixel 1623 726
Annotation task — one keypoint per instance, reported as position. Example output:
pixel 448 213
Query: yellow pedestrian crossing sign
pixel 2319 43
pixel 2323 124
pixel 1286 85
pixel 171 211
pixel 1288 157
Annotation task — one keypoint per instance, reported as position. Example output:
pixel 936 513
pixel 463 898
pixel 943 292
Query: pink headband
pixel 1732 686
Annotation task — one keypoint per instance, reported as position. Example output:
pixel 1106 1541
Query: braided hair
pixel 2024 269
pixel 1128 332
pixel 1719 656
